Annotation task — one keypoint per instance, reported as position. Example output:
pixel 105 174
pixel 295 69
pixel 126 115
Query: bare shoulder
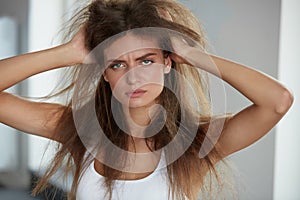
pixel 37 118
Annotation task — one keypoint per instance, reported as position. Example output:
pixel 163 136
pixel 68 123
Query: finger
pixel 165 14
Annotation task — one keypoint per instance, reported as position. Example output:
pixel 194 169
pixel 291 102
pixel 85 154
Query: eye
pixel 147 62
pixel 117 66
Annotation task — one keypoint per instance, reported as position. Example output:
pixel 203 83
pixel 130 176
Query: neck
pixel 137 120
pixel 140 116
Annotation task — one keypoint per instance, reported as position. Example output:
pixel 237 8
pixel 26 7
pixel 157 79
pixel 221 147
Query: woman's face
pixel 135 68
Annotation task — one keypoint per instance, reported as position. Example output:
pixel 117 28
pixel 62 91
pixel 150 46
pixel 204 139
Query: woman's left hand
pixel 181 51
pixel 193 55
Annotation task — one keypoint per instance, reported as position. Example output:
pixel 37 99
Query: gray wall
pixel 287 159
pixel 16 176
pixel 247 32
pixel 18 10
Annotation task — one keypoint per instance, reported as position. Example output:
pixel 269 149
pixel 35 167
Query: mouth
pixel 136 93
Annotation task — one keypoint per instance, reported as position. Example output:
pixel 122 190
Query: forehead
pixel 130 43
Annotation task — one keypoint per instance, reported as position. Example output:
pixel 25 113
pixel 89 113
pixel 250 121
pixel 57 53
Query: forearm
pixel 261 89
pixel 16 69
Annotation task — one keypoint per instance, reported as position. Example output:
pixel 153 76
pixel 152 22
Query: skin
pixel 270 100
pixel 136 78
pixel 141 69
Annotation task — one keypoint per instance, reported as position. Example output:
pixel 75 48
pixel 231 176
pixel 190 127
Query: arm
pixel 270 100
pixel 35 117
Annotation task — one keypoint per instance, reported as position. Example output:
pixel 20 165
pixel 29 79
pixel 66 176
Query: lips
pixel 136 93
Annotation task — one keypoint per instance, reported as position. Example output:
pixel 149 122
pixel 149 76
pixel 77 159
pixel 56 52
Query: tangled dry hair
pixel 104 19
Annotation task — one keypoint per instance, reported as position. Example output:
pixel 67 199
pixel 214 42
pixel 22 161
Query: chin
pixel 136 104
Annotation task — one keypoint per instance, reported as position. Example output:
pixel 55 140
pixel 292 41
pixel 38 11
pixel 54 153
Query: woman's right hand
pixel 38 118
pixel 77 47
pixel 18 68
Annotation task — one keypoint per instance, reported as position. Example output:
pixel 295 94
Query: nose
pixel 132 77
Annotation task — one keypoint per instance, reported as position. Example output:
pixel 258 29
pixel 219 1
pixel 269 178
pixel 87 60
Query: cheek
pixel 156 89
pixel 118 85
pixel 155 75
pixel 112 83
pixel 113 79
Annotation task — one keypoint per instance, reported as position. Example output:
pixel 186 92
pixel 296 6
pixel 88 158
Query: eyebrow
pixel 139 58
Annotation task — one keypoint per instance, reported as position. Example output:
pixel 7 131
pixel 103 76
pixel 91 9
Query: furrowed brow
pixel 139 58
pixel 145 56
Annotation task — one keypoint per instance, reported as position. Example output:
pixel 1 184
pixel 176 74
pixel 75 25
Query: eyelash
pixel 151 61
pixel 113 66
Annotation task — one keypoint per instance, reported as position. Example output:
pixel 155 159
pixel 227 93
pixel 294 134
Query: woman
pixel 140 69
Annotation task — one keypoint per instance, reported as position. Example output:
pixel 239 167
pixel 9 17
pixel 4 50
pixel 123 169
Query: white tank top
pixel 152 187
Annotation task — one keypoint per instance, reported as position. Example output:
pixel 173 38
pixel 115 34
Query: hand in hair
pixel 78 47
pixel 165 14
pixel 181 50
pixel 188 52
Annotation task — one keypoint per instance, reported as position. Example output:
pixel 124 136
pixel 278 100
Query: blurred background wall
pixel 13 41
